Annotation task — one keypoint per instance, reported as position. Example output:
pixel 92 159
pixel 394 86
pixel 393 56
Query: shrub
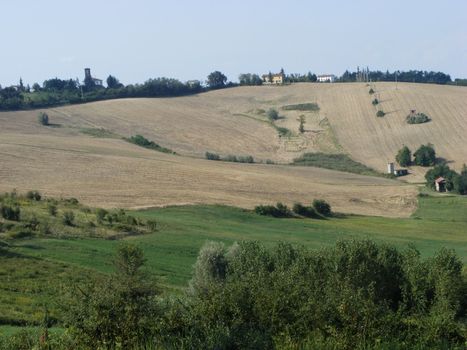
pixel 10 212
pixel 322 207
pixel 151 225
pixel 43 119
pixel 269 161
pixel 52 209
pixel 301 210
pixel 231 158
pixel 404 156
pixel 100 215
pixel 272 114
pixel 278 211
pixel 425 155
pixel 212 156
pixel 380 114
pixel 68 218
pixel 375 102
pixel 246 159
pixel 144 142
pixel 312 107
pixel 417 118
pixel 283 131
pixel 33 195
pixel 32 223
pixel 371 92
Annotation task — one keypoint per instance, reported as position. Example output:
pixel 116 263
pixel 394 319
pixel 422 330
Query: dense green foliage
pixel 354 295
pixel 417 118
pixel 425 155
pixel 375 102
pixel 404 156
pixel 308 212
pixel 341 162
pixel 301 78
pixel 454 182
pixel 322 207
pixel 144 142
pixel 250 79
pixel 278 211
pixel 216 80
pixel 58 92
pixel 212 156
pixel 412 76
pixel 310 107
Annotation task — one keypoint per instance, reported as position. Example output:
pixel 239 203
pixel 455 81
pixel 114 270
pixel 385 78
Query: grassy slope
pixel 172 251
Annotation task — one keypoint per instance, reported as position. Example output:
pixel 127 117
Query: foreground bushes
pixel 353 295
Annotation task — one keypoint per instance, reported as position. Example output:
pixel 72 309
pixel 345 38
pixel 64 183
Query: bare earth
pixel 61 161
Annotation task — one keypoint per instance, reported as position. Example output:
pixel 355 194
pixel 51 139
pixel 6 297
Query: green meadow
pixel 34 270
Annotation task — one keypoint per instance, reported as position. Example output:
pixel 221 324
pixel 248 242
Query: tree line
pixel 356 294
pixel 411 76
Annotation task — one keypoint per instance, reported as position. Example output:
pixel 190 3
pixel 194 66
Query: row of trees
pixel 354 295
pixel 412 76
pixel 425 155
pixel 57 91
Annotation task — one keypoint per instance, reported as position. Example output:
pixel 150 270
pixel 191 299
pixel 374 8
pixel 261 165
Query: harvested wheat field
pixel 114 173
pixel 62 161
pixel 233 121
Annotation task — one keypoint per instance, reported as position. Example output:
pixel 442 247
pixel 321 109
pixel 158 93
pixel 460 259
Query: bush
pixel 380 114
pixel 43 119
pixel 10 212
pixel 212 156
pixel 246 159
pixel 375 102
pixel 272 114
pixel 278 211
pixel 312 107
pixel 151 225
pixel 322 207
pixel 68 218
pixel 371 92
pixel 404 156
pixel 144 142
pixel 301 210
pixel 417 118
pixel 100 215
pixel 231 158
pixel 33 195
pixel 425 155
pixel 52 209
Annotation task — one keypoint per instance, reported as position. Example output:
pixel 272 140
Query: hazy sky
pixel 140 39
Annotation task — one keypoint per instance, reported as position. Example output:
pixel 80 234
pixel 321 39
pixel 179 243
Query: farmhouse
pixel 440 184
pixel 270 78
pixel 326 78
pixel 87 75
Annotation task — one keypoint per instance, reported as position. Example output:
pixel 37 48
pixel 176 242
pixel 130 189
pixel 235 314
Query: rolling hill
pixel 63 161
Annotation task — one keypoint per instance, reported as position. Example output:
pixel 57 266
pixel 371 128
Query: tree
pixel 460 181
pixel 116 312
pixel 425 155
pixel 272 114
pixel 441 170
pixel 113 83
pixel 301 128
pixel 216 80
pixel 404 156
pixel 322 207
pixel 43 118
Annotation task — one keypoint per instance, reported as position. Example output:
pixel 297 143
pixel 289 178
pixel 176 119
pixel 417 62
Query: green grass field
pixel 440 221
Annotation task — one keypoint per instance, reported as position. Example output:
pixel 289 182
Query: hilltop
pixel 66 160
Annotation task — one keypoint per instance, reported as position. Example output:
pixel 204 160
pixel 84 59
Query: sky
pixel 141 39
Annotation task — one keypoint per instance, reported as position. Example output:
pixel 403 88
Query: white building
pixel 331 78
